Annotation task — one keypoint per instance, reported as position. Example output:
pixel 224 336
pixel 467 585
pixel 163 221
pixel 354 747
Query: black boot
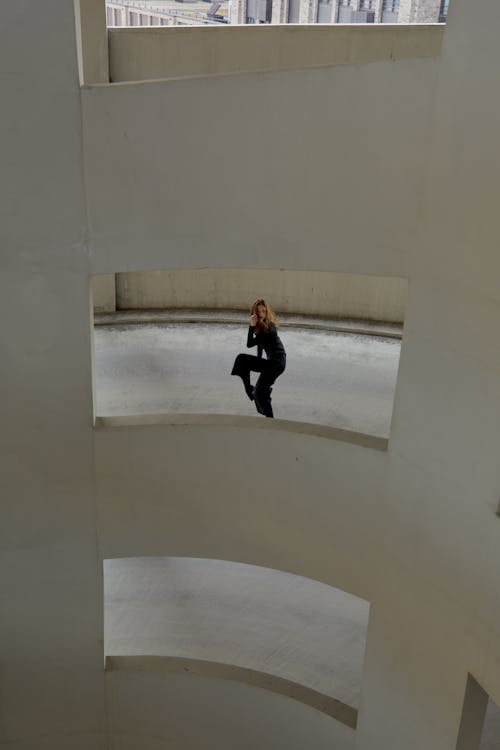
pixel 249 389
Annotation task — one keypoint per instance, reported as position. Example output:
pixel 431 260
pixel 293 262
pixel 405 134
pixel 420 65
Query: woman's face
pixel 261 312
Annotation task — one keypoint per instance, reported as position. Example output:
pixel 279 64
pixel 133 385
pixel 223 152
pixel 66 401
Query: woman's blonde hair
pixel 263 326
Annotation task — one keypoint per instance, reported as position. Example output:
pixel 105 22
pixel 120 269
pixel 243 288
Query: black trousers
pixel 269 370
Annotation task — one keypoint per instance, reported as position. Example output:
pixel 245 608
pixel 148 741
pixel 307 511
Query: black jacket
pixel 270 342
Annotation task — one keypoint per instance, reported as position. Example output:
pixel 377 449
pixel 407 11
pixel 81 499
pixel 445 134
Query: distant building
pixel 169 13
pixel 203 12
pixel 339 11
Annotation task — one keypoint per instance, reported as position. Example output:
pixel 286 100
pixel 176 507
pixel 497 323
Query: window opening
pixel 166 342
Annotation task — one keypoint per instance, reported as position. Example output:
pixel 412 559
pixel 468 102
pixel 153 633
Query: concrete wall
pixel 419 11
pixel 307 292
pixel 353 491
pixel 155 711
pixel 325 628
pixel 91 41
pixel 52 683
pixel 447 411
pixel 104 292
pixel 336 189
pixel 413 529
pixel 146 54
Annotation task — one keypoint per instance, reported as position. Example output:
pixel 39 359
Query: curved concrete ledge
pixel 140 317
pixel 258 423
pixel 334 708
pixel 147 54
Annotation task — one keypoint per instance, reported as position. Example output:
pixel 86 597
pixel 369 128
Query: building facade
pixel 338 11
pixel 130 13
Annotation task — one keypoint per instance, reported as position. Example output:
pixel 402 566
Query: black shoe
pixel 258 407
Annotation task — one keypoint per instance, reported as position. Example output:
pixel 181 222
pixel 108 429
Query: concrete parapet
pixel 103 292
pixel 161 53
pixel 299 292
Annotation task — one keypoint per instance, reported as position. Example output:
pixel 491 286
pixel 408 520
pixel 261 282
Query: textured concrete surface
pixel 197 315
pixel 325 704
pixel 335 379
pixel 193 712
pixel 231 613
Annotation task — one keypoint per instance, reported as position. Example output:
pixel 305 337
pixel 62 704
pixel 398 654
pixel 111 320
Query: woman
pixel 263 334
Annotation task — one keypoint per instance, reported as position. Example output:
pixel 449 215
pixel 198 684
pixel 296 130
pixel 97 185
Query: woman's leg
pixel 263 388
pixel 244 364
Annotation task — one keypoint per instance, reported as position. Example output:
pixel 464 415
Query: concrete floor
pixel 337 379
pixel 243 615
pixel 232 613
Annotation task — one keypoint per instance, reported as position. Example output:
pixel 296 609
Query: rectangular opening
pixel 126 13
pixel 165 342
pixel 175 614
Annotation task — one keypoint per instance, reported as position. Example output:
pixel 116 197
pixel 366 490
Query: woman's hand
pixel 253 320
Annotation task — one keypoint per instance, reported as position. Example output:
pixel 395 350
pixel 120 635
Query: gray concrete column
pixel 473 713
pixel 51 627
pixel 92 41
pixel 419 11
pixel 426 11
pixel 378 11
pixel 405 11
pixel 238 12
pixel 280 11
pixel 308 11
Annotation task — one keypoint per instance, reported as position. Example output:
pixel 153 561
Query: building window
pixel 344 12
pixel 324 14
pixel 443 11
pixel 367 5
pixel 390 11
pixel 390 6
pixel 293 11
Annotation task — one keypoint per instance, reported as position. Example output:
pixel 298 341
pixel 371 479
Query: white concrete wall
pixel 414 530
pixel 319 183
pixel 92 41
pixel 104 292
pixel 148 476
pixel 51 678
pixel 372 522
pixel 419 11
pixel 147 54
pixel 186 712
pixel 446 423
pixel 307 292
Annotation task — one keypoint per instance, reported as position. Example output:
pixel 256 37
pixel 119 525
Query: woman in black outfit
pixel 263 334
